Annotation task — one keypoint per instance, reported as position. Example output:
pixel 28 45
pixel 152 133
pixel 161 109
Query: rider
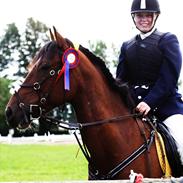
pixel 150 63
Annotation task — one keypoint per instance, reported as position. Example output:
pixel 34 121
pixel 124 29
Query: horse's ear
pixel 51 35
pixel 60 40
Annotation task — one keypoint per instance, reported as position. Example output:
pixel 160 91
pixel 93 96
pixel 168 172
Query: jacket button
pixel 139 97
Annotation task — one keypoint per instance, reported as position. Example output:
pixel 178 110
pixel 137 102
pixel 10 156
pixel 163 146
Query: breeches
pixel 175 126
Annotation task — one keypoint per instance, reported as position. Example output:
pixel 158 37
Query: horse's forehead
pixel 50 50
pixel 31 66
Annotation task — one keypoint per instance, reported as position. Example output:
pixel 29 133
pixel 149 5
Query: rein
pixel 94 173
pixel 79 126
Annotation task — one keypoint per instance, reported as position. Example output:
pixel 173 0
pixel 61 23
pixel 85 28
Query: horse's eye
pixel 45 66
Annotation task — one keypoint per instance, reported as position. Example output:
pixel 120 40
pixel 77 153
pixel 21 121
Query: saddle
pixel 171 150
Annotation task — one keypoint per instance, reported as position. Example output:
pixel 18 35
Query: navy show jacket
pixel 163 97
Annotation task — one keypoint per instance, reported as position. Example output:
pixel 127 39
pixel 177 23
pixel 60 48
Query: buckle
pixel 35 111
pixel 36 86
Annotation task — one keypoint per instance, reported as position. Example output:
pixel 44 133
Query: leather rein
pixel 93 171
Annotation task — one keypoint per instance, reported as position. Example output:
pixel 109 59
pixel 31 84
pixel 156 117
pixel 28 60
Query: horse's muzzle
pixel 10 117
pixel 9 114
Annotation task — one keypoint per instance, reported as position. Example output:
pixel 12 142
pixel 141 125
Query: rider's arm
pixel 166 85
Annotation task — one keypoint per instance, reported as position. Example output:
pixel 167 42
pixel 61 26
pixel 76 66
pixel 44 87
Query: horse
pixel 115 139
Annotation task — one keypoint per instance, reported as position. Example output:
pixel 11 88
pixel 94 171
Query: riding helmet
pixel 145 6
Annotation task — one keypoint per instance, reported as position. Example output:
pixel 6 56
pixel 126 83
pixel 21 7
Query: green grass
pixel 41 163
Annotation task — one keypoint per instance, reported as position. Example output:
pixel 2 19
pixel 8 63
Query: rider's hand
pixel 143 108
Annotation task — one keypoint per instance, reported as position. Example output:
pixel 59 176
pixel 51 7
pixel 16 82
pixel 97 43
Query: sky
pixel 83 20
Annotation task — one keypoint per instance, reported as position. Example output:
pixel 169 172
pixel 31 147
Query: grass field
pixel 41 163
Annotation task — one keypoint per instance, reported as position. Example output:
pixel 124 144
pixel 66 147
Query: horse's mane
pixel 99 62
pixel 122 88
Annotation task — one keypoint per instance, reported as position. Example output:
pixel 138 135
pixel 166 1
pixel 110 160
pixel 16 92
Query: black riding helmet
pixel 145 6
pixel 150 6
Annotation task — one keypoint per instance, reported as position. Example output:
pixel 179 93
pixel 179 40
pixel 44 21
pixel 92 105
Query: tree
pixel 109 54
pixel 99 48
pixel 4 97
pixel 31 41
pixel 9 44
pixel 19 49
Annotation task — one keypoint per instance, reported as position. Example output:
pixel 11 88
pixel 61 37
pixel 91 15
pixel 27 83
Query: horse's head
pixel 42 89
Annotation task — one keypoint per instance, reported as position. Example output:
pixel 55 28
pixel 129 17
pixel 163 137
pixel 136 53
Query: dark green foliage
pixel 109 54
pixel 99 48
pixel 9 44
pixel 20 48
pixel 33 38
pixel 4 97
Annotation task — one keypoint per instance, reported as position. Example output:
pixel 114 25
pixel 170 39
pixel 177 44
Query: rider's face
pixel 144 21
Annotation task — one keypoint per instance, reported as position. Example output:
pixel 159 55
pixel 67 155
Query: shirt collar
pixel 144 35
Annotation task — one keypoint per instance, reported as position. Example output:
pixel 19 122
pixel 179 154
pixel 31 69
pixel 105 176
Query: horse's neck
pixel 95 99
pixel 97 104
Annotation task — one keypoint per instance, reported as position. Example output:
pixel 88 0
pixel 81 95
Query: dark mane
pixel 46 51
pixel 114 84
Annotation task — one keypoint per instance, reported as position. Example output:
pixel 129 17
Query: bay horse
pixel 115 140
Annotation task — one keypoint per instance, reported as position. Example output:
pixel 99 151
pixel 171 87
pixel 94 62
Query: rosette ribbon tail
pixel 66 76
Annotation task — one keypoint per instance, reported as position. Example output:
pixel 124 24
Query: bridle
pixel 36 87
pixel 35 111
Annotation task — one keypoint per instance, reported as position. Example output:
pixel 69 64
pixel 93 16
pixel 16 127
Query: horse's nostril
pixel 8 113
